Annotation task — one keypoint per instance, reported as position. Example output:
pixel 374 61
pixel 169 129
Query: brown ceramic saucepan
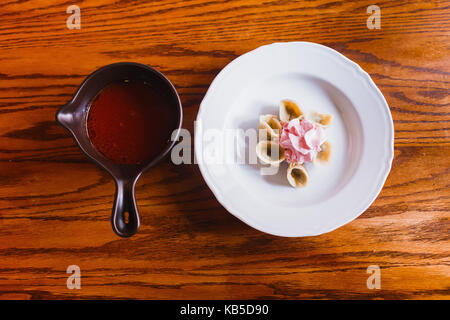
pixel 75 117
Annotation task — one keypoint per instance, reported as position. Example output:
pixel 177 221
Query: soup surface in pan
pixel 130 122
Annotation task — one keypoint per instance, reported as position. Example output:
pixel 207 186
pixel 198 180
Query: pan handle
pixel 125 216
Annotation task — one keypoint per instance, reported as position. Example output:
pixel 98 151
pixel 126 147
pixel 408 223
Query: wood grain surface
pixel 55 205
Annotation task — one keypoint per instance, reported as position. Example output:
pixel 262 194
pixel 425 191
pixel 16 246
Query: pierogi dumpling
pixel 270 152
pixel 270 125
pixel 289 110
pixel 321 118
pixel 325 152
pixel 297 175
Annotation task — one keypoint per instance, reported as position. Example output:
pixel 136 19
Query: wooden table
pixel 55 204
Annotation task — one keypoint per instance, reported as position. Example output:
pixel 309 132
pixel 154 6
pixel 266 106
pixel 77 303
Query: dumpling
pixel 325 152
pixel 271 126
pixel 297 175
pixel 321 118
pixel 289 110
pixel 270 152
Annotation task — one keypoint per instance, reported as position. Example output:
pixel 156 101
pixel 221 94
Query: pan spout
pixel 64 116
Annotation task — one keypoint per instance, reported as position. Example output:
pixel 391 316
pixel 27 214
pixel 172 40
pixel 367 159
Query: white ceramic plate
pixel 320 79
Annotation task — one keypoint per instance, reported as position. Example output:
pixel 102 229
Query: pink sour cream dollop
pixel 301 140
